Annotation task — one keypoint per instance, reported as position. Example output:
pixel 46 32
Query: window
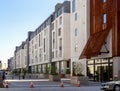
pixel 59 32
pixel 104 21
pixel 60 12
pixel 53 40
pixel 62 9
pixel 68 64
pixel 39 68
pixel 76 32
pixel 76 47
pixel 60 42
pixel 39 40
pixel 40 54
pixel 76 16
pixel 73 5
pixel 52 54
pixel 104 1
pixel 56 15
pixel 52 26
pixel 60 20
pixel 44 45
pixel 60 47
pixel 104 18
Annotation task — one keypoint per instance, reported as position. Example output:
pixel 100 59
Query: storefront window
pixel 90 72
pixel 98 61
pixel 104 61
pixel 90 61
pixel 101 70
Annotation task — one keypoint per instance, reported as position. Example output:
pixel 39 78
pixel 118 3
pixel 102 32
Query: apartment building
pixel 80 12
pixel 39 47
pixel 48 44
pixel 20 56
pixel 82 33
pixel 61 37
pixel 25 54
pixel 10 64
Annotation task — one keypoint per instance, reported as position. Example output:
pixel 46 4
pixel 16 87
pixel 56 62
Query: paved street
pixel 36 83
pixel 46 85
pixel 90 88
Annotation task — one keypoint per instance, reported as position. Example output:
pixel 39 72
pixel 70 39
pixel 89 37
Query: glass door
pixel 100 70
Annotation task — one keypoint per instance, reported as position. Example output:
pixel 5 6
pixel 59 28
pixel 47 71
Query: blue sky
pixel 17 17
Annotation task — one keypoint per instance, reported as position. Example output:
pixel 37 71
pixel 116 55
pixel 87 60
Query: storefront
pixel 103 41
pixel 100 69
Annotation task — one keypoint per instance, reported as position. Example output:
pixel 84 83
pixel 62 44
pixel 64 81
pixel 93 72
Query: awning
pixel 94 44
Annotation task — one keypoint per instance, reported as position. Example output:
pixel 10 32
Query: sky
pixel 17 17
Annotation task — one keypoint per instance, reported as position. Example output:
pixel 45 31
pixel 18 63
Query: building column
pixel 64 66
pixel 116 68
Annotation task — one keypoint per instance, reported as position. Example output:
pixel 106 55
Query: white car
pixel 111 86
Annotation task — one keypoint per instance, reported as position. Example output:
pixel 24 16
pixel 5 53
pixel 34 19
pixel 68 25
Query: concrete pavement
pixel 13 83
pixel 90 88
pixel 46 85
pixel 36 84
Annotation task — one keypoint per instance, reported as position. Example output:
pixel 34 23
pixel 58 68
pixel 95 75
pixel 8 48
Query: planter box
pixel 83 80
pixel 28 76
pixel 62 75
pixel 67 75
pixel 54 77
pixel 44 76
pixel 37 76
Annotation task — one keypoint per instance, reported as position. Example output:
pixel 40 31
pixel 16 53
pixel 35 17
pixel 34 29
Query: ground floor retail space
pixel 60 67
pixel 100 69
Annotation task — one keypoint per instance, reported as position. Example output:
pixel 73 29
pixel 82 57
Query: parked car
pixel 111 86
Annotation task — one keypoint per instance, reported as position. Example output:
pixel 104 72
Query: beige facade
pixel 17 58
pixel 79 31
pixel 39 49
pixel 49 43
pixel 61 41
pixel 20 56
pixel 24 64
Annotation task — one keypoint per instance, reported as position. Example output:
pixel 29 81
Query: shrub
pixel 67 71
pixel 53 70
